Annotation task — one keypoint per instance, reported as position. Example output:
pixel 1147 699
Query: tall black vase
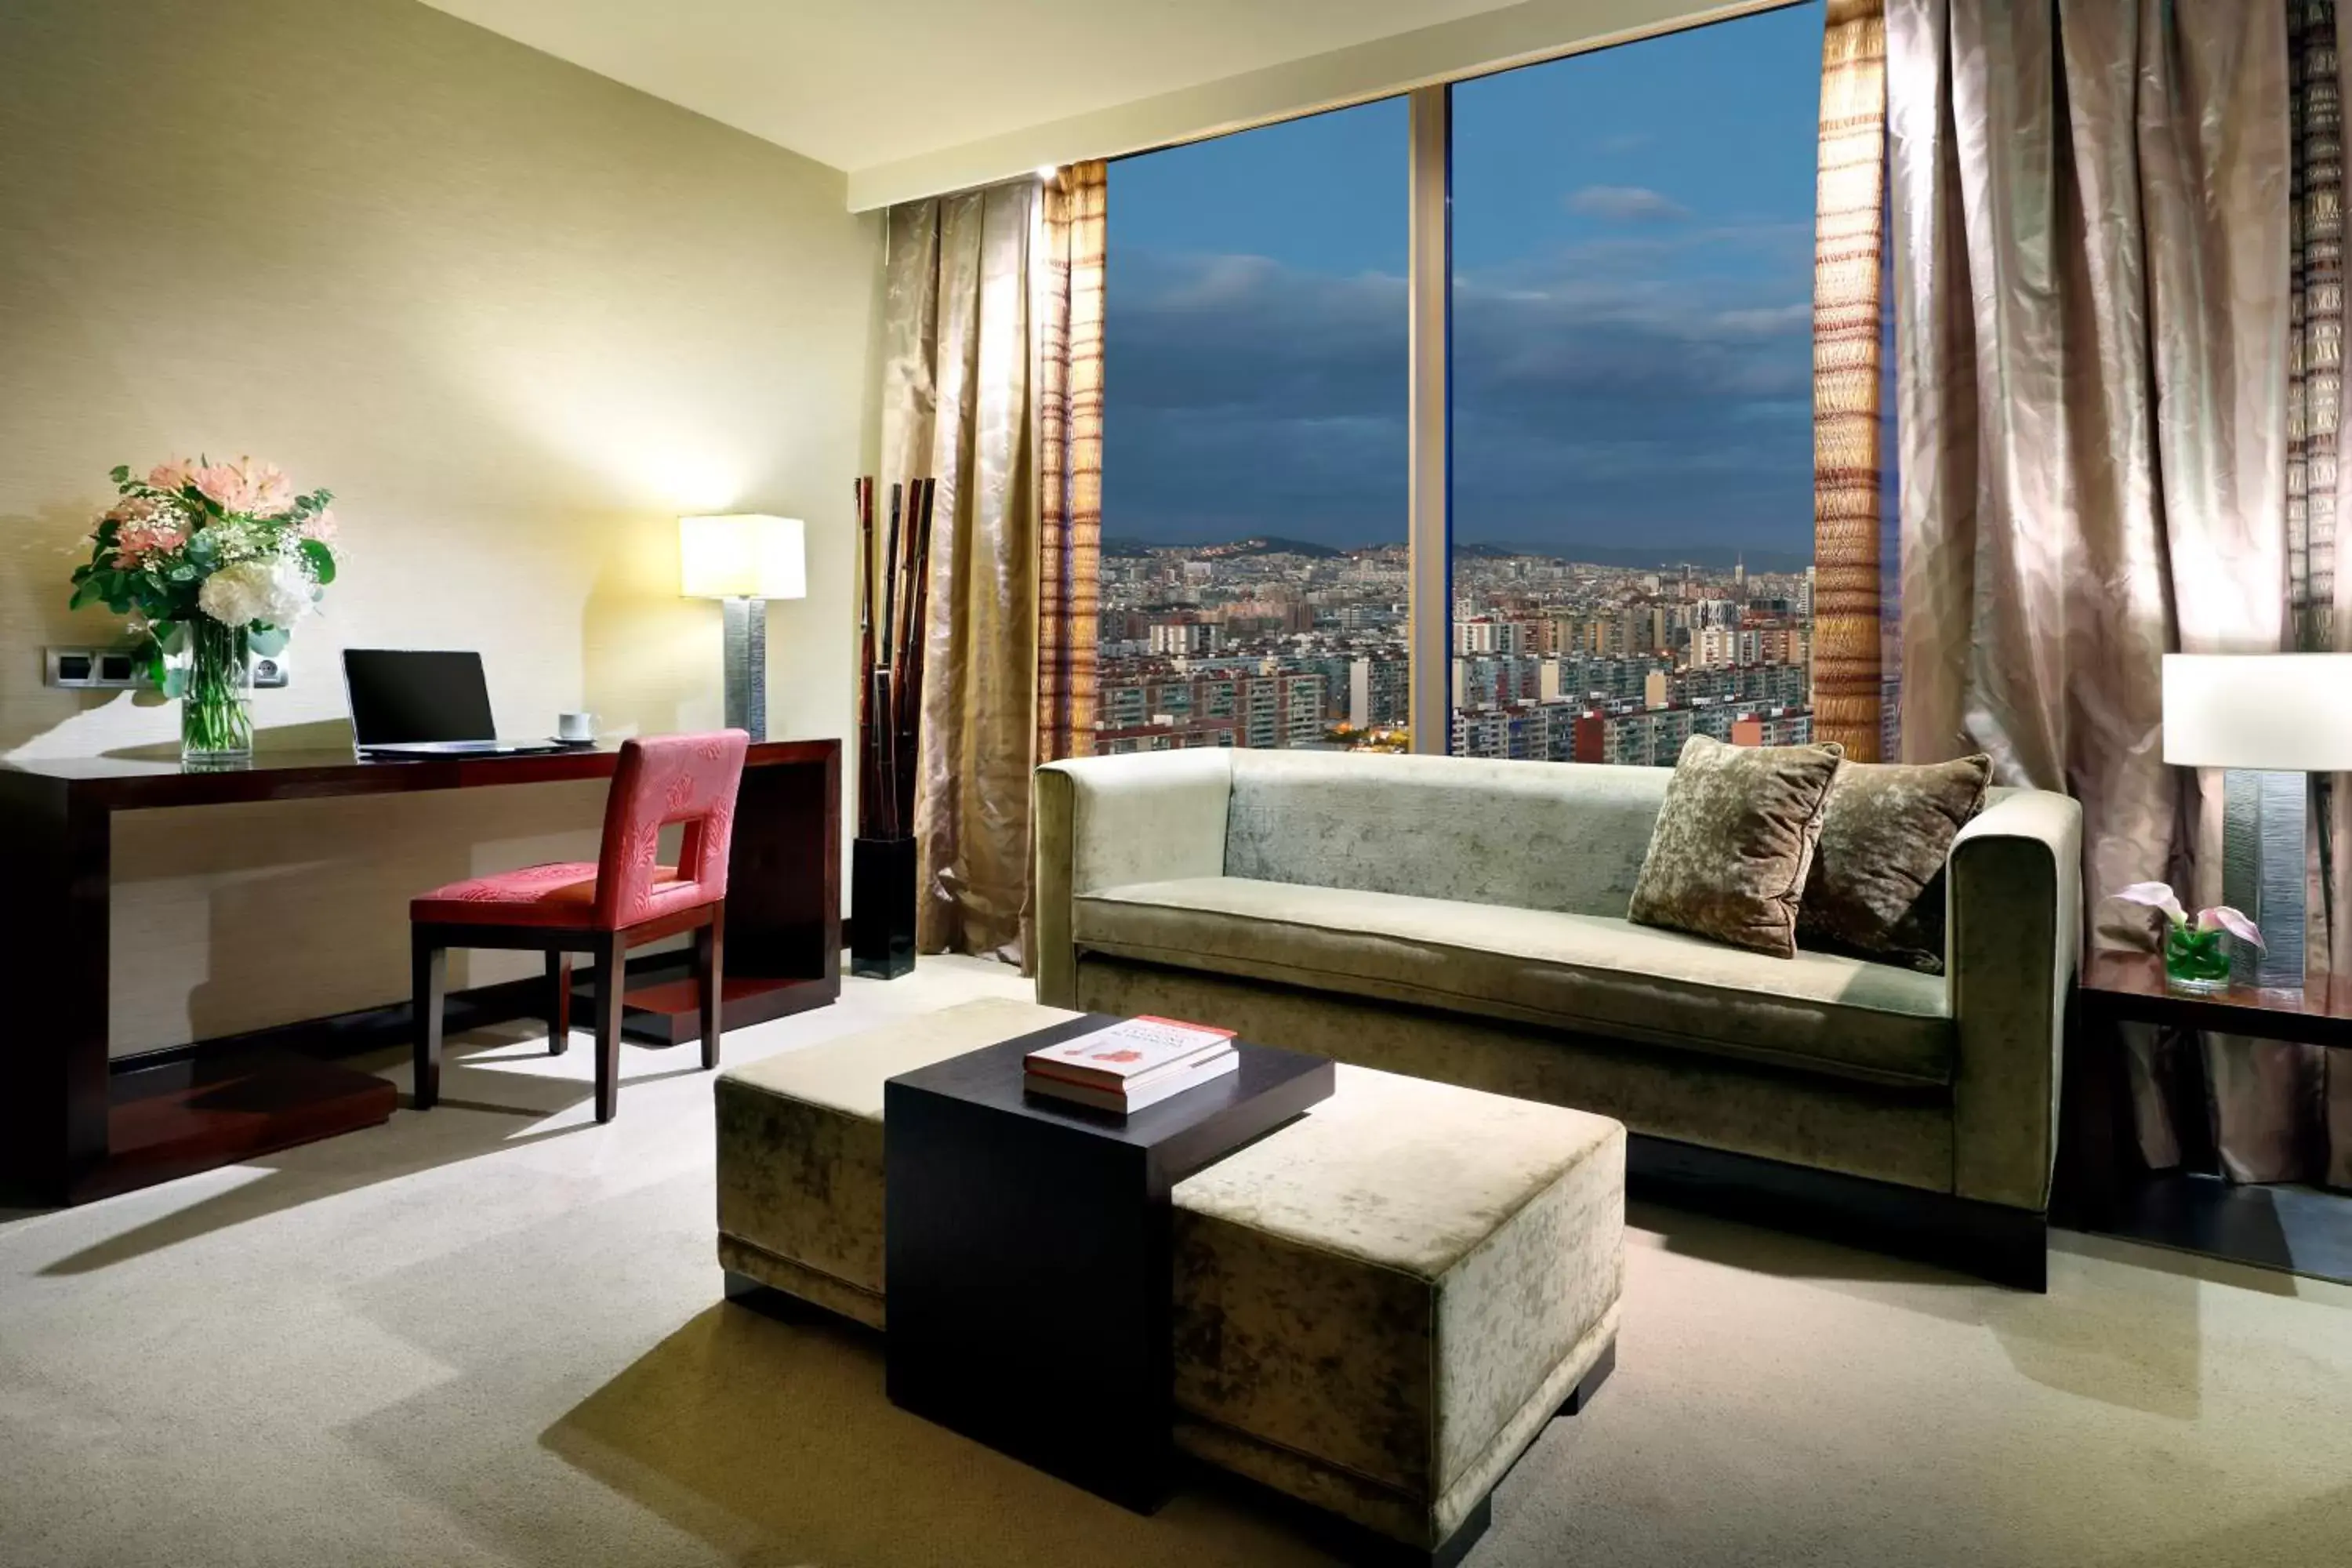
pixel 882 908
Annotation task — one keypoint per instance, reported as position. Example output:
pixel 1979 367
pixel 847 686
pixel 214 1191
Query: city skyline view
pixel 1631 341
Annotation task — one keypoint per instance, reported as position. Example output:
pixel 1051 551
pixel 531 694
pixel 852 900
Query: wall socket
pixel 114 670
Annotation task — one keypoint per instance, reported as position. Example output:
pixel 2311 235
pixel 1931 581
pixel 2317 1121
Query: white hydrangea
pixel 276 592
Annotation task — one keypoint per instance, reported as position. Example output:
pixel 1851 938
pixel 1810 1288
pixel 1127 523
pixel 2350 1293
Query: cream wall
pixel 518 317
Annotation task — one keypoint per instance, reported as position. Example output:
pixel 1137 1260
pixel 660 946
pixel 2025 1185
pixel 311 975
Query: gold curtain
pixel 1069 420
pixel 956 406
pixel 1849 243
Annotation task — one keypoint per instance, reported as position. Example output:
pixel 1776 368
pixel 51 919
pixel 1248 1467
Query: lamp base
pixel 746 623
pixel 2265 819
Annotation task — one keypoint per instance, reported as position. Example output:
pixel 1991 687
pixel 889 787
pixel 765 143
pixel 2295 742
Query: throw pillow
pixel 1733 841
pixel 1876 889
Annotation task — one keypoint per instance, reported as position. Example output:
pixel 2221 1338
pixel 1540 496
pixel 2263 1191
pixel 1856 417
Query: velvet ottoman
pixel 1376 1307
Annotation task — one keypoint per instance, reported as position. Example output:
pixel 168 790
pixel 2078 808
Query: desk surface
pixel 133 781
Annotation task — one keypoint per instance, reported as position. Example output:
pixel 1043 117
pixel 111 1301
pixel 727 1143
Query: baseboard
pixel 2007 1246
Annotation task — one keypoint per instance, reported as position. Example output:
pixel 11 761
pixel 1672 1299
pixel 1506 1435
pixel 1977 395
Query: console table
pixel 76 1126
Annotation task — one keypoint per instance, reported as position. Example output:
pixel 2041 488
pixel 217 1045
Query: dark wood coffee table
pixel 2298 1230
pixel 1027 1260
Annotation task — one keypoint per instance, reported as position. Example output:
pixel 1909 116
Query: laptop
pixel 408 703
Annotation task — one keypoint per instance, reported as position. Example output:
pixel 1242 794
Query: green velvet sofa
pixel 1465 921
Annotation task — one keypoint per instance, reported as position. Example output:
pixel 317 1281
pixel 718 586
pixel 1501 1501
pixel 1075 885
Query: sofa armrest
pixel 2012 950
pixel 1104 821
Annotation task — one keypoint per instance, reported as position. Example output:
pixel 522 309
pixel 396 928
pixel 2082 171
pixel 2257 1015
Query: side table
pixel 2298 1230
pixel 1027 1258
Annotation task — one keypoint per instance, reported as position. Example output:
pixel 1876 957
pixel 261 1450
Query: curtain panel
pixel 1069 423
pixel 2317 593
pixel 992 384
pixel 958 407
pixel 1849 259
pixel 2118 234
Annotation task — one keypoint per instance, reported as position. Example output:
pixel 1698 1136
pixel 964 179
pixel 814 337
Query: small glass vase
pixel 211 667
pixel 2195 962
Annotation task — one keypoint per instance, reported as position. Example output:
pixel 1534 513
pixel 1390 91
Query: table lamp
pixel 743 561
pixel 2269 719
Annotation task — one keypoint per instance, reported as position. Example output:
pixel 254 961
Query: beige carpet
pixel 492 1336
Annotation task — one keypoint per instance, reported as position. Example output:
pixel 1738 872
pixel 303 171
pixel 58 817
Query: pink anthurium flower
pixel 2221 917
pixel 2156 895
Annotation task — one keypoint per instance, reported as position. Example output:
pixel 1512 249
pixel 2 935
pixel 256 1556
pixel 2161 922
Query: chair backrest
pixel 690 779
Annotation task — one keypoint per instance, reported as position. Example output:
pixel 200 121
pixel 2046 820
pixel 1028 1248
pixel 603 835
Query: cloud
pixel 1625 204
pixel 1595 396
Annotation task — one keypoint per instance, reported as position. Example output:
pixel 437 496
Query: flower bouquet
pixel 2194 961
pixel 215 562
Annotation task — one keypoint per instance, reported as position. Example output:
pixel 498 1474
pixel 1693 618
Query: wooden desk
pixel 75 1126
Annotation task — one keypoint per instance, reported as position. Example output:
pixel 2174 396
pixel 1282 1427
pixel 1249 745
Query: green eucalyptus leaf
pixel 120 474
pixel 267 641
pixel 84 592
pixel 321 560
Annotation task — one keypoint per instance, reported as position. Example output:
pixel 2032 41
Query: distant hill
pixel 1712 557
pixel 1258 546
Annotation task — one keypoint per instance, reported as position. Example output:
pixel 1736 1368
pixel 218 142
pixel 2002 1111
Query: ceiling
pixel 861 83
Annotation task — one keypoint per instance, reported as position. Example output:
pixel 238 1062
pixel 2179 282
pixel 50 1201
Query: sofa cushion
pixel 1591 973
pixel 1876 888
pixel 1733 841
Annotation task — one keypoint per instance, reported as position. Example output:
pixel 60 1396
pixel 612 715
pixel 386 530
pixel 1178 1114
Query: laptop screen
pixel 402 696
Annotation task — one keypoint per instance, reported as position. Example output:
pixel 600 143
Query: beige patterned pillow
pixel 1733 841
pixel 1876 889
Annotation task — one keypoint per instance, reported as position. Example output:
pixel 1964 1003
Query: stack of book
pixel 1130 1065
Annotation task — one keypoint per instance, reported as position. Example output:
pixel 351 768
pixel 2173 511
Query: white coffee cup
pixel 575 726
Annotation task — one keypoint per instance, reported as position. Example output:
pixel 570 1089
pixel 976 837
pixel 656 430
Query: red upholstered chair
pixel 623 900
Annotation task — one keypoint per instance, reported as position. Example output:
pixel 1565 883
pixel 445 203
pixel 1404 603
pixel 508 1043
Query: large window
pixel 1629 534
pixel 1253 439
pixel 1632 508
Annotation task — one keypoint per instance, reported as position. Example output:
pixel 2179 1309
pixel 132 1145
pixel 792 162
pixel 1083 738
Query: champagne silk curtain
pixel 992 385
pixel 2091 206
pixel 956 406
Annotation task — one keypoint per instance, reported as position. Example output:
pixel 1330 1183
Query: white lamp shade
pixel 2278 712
pixel 744 555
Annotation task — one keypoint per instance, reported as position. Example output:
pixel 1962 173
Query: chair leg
pixel 428 969
pixel 610 957
pixel 709 961
pixel 558 1003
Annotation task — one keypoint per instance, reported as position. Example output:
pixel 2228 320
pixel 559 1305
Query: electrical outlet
pixel 114 670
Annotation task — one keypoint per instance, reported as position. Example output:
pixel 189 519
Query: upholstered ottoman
pixel 1376 1307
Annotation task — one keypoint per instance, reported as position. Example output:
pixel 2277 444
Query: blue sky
pixel 1632 236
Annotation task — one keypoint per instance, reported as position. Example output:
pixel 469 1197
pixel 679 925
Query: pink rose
pixel 175 475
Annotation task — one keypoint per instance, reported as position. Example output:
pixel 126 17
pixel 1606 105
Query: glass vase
pixel 2195 962
pixel 214 666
